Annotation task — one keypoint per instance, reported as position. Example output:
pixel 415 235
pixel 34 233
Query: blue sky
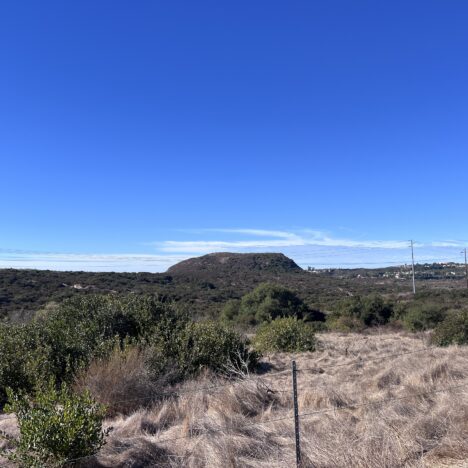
pixel 135 134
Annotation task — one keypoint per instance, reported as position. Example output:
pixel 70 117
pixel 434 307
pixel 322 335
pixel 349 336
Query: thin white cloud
pixel 87 262
pixel 259 233
pixel 216 246
pixel 456 244
pixel 314 247
pixel 271 239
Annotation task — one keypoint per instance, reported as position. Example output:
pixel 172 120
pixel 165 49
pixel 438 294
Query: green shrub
pixel 57 427
pixel 57 345
pixel 423 317
pixel 85 329
pixel 230 311
pixel 452 330
pixel 202 345
pixel 17 345
pixel 345 323
pixel 375 310
pixel 285 334
pixel 266 303
pixel 318 327
pixel 369 310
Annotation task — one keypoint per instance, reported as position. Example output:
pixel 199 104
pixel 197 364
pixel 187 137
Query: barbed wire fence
pixel 296 417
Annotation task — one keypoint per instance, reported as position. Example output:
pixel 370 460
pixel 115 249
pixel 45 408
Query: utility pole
pixel 466 267
pixel 412 260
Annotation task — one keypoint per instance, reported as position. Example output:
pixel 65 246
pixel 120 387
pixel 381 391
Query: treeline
pixel 445 312
pixel 203 293
pixel 23 292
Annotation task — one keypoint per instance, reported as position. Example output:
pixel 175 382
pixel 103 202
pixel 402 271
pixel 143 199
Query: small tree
pixel 266 303
pixel 57 427
pixel 375 310
pixel 370 310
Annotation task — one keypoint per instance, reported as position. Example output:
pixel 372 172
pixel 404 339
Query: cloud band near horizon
pixel 307 247
pixel 281 239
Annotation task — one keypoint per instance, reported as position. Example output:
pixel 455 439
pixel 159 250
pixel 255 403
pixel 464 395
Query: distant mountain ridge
pixel 229 263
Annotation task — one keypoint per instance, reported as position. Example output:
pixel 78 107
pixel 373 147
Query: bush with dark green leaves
pixel 285 334
pixel 87 327
pixel 56 427
pixel 423 317
pixel 56 346
pixel 266 303
pixel 452 330
pixel 357 311
pixel 79 330
pixel 345 323
pixel 230 312
pixel 18 359
pixel 201 345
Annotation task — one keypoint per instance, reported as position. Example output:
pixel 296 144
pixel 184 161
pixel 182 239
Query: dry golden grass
pixel 341 388
pixel 8 426
pixel 122 381
pixel 229 426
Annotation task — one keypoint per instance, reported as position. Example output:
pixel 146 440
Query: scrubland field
pixel 367 414
pixel 380 400
pixel 140 378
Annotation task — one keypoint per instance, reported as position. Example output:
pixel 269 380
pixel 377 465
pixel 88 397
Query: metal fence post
pixel 296 416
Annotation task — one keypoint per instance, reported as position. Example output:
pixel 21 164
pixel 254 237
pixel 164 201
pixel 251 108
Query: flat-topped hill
pixel 232 263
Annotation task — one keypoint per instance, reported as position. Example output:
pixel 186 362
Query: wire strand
pixel 301 415
pixel 260 377
pixel 364 360
pixel 327 410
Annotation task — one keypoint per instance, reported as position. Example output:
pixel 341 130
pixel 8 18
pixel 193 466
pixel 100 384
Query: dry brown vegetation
pixel 362 411
pixel 9 427
pixel 122 381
